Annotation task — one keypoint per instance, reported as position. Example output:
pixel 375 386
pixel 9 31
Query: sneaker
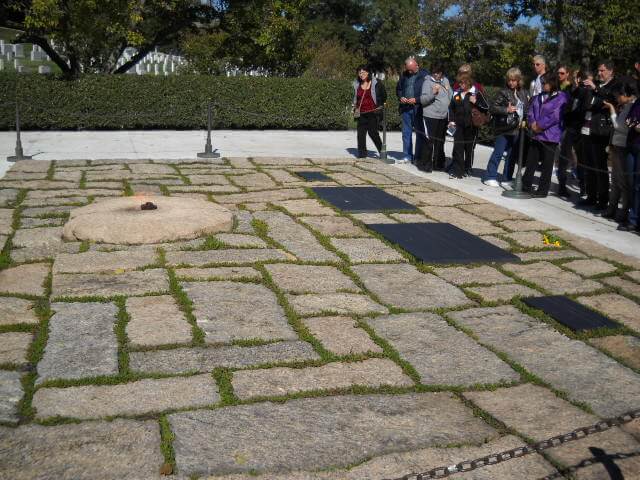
pixel 507 184
pixel 491 183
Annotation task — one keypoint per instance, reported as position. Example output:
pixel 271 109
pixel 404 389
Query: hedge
pixel 179 102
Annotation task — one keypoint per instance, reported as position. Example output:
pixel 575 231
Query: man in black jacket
pixel 596 170
pixel 408 90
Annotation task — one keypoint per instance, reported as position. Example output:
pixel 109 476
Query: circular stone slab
pixel 120 220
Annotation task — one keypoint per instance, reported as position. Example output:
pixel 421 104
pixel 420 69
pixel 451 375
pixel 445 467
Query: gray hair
pixel 539 58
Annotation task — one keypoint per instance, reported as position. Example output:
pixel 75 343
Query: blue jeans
pixel 633 166
pixel 408 120
pixel 504 144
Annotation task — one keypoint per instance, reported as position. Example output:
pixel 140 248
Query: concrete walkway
pixel 167 144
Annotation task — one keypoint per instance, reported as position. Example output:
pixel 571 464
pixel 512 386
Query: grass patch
pixel 120 329
pixel 83 180
pixel 84 246
pixel 166 442
pixel 186 306
pixel 127 189
pixel 223 376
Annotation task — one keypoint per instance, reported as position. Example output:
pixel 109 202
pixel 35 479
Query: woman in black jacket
pixel 369 96
pixel 464 100
pixel 509 109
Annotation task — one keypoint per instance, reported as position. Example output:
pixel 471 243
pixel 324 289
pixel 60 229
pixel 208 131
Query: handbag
pixel 506 122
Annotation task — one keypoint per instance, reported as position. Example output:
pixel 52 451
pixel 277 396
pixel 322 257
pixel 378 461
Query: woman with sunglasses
pixel 545 122
pixel 368 97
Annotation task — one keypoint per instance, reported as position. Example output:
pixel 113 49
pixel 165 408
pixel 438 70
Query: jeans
pixel 633 165
pixel 503 144
pixel 408 122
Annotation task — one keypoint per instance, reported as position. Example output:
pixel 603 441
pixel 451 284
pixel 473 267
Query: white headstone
pixel 148 68
pixel 18 49
pixel 44 69
pixel 1 64
pixel 10 56
pixel 173 67
pixel 21 69
pixel 2 47
pixel 16 63
pixel 139 69
pixel 156 69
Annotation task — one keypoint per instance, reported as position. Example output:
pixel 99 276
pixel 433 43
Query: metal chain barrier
pixel 495 458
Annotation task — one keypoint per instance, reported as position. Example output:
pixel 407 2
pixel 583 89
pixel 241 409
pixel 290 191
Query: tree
pixel 331 60
pixel 90 36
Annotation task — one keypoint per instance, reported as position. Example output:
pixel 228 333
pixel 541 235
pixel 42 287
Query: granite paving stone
pixel 403 286
pixel 208 180
pixel 346 178
pixel 527 239
pixel 484 274
pixel 256 180
pixel 539 414
pixel 373 218
pixel 156 321
pixel 584 373
pixel 335 226
pixel 256 206
pixel 24 279
pixel 38 184
pixel 37 166
pixel 279 381
pixel 493 213
pixel 6 221
pixel 352 428
pixel 410 218
pixel 226 256
pixel 309 206
pixel 337 303
pixel 31 254
pixel 183 360
pixel 134 283
pixel 616 307
pixel 442 199
pixel 3 241
pixel 552 278
pixel 310 279
pixel 218 273
pixel 241 240
pixel 525 225
pixel 45 237
pixel 395 465
pixel 549 255
pixel 152 169
pixel 134 398
pixel 626 286
pixel 7 196
pixel 17 310
pixel 228 311
pixel 461 219
pixel 341 335
pixel 625 347
pixel 203 189
pixel 39 202
pixel 360 250
pixel 14 347
pixel 103 262
pixel 595 249
pixel 85 451
pixel 72 192
pixel 10 395
pixel 634 275
pixel 295 238
pixel 243 222
pixel 503 293
pixel 81 342
pixel 57 210
pixel 266 196
pixel 441 354
pixel 42 222
pixel 589 267
pixel 282 176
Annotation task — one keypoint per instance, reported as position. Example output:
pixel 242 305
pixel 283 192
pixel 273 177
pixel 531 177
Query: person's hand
pixel 611 108
pixel 411 101
pixel 435 89
pixel 589 83
pixel 403 100
pixel 473 99
pixel 535 127
pixel 451 124
pixel 511 108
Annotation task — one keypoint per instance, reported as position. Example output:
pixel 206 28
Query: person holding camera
pixel 435 99
pixel 461 112
pixel 600 129
pixel 369 96
pixel 508 109
pixel 545 121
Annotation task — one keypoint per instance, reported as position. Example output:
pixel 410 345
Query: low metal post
pixel 19 152
pixel 517 188
pixel 208 148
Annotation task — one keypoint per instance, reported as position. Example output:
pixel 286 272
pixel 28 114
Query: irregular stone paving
pixel 441 354
pixel 329 335
pixel 353 428
pixel 538 414
pixel 569 365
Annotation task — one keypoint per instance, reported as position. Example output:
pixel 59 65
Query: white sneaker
pixel 508 184
pixel 491 183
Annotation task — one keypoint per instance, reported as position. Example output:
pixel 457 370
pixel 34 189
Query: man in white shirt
pixel 540 67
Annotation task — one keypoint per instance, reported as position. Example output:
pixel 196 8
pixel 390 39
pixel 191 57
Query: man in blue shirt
pixel 408 90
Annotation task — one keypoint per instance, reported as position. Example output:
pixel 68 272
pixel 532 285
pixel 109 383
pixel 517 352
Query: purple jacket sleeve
pixel 532 114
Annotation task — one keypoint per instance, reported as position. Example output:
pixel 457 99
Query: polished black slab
pixel 570 313
pixel 362 199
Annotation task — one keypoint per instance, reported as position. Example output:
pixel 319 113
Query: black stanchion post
pixel 383 152
pixel 19 153
pixel 517 188
pixel 208 148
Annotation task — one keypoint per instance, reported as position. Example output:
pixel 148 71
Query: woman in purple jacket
pixel 545 122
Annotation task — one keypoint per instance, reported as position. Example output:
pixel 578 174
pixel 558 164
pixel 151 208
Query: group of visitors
pixel 578 122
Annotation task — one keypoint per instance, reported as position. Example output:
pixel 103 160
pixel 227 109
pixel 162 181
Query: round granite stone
pixel 121 220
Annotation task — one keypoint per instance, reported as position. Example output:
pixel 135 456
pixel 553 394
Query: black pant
pixel 569 139
pixel 435 130
pixel 539 153
pixel 464 143
pixel 596 169
pixel 368 123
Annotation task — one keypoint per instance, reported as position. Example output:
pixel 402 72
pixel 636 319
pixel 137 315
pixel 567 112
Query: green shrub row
pixel 179 102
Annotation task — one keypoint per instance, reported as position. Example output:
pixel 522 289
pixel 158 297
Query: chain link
pixel 495 458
